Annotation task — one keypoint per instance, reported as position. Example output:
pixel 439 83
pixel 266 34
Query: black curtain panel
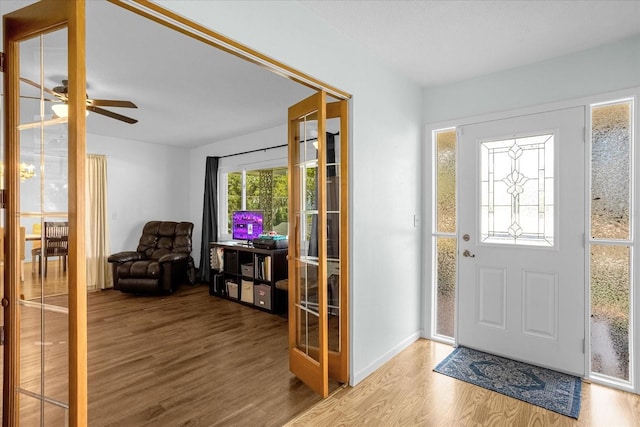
pixel 209 215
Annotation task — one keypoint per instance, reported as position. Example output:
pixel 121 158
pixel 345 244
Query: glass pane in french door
pixel 2 263
pixel 332 143
pixel 308 339
pixel 43 208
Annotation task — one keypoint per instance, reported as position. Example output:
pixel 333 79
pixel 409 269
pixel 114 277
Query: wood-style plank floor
pixel 406 392
pixel 184 359
pixel 189 359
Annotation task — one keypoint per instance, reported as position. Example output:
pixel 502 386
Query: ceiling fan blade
pixel 110 103
pixel 38 98
pixel 49 91
pixel 111 114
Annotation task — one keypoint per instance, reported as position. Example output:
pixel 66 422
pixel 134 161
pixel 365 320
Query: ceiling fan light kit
pixel 61 110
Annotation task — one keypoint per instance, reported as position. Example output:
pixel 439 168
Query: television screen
pixel 246 225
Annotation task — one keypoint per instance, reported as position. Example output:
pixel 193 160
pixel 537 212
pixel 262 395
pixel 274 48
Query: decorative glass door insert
pixel 517 186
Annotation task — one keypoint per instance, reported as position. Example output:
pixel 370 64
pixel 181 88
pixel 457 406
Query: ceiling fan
pixel 94 105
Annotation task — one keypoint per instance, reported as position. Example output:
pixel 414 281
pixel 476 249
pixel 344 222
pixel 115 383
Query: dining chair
pixel 56 244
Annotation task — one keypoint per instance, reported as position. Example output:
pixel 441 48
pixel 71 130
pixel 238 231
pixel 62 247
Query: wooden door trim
pixel 43 17
pixel 339 361
pixel 314 373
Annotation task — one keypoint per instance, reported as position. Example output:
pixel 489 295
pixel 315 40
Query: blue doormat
pixel 548 389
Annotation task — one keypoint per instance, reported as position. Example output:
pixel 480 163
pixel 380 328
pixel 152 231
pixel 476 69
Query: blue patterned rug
pixel 548 389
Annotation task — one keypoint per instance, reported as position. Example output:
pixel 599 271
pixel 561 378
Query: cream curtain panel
pixel 97 233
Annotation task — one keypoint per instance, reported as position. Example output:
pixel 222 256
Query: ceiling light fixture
pixel 62 110
pixel 26 171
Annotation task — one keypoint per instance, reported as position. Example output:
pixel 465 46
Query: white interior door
pixel 521 288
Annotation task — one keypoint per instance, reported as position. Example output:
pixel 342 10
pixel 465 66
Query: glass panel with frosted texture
pixel 446 181
pixel 610 171
pixel 610 310
pixel 446 250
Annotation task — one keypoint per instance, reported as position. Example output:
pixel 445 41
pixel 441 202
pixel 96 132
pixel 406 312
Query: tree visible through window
pixel 266 190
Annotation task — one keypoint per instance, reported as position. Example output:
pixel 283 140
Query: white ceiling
pixel 189 94
pixel 438 42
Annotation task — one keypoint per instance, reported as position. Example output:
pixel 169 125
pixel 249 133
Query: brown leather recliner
pixel 160 263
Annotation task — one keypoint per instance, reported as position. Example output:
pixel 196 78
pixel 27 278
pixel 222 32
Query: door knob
pixel 468 254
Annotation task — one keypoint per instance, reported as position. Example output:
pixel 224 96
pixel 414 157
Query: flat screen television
pixel 246 225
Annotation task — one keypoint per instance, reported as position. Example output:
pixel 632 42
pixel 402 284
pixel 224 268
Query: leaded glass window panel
pixel 517 191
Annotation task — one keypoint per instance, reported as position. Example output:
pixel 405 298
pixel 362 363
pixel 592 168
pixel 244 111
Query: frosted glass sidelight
pixel 610 308
pixel 610 170
pixel 446 249
pixel 446 181
pixel 517 180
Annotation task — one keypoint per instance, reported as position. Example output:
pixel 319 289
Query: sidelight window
pixel 444 233
pixel 611 242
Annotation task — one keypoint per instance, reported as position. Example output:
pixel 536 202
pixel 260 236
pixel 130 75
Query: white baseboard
pixel 379 362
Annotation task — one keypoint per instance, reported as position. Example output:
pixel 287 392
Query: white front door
pixel 521 288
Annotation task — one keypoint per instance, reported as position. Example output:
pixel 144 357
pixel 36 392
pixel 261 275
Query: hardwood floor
pixel 406 392
pixel 190 359
pixel 182 359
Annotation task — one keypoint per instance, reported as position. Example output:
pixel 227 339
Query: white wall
pixel 603 69
pixel 145 182
pixel 385 163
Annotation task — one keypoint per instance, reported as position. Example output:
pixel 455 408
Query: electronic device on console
pixel 271 241
pixel 246 225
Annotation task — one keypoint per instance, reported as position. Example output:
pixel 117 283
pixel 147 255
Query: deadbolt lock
pixel 466 237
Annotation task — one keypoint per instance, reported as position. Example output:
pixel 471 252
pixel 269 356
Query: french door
pixel 318 251
pixel 521 243
pixel 44 365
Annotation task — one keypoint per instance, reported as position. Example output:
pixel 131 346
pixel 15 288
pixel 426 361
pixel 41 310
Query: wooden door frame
pixel 338 362
pixel 311 368
pixel 38 18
